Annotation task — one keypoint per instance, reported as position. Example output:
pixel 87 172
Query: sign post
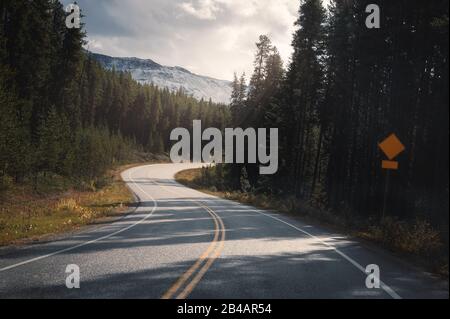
pixel 386 192
pixel 391 147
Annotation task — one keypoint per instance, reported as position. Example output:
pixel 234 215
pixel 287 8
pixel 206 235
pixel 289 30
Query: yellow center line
pixel 210 255
pixel 195 281
pixel 182 280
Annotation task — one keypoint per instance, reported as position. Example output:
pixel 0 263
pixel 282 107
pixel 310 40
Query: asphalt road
pixel 180 243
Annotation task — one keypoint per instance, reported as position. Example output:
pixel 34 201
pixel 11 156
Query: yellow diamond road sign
pixel 392 147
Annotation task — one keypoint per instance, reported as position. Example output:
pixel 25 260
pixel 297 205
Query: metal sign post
pixel 391 147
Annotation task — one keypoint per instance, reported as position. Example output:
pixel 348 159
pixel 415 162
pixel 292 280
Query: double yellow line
pixel 184 286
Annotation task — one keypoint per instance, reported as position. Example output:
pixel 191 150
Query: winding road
pixel 180 243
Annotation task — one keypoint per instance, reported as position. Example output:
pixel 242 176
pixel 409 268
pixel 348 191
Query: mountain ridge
pixel 147 71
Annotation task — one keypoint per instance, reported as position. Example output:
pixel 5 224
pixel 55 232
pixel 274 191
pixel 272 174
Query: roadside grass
pixel 417 240
pixel 56 205
pixel 59 205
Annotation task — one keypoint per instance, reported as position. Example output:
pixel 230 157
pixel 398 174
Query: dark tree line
pixel 347 88
pixel 60 112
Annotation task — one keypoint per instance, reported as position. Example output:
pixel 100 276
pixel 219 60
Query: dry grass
pixel 188 176
pixel 27 215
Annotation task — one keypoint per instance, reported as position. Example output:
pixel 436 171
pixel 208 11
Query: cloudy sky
pixel 208 37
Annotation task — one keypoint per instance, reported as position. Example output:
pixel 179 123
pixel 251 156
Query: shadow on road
pixel 261 259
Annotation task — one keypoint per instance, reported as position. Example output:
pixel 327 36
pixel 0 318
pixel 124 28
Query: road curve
pixel 180 243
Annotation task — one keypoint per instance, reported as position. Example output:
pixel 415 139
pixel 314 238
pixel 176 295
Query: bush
pixel 102 182
pixel 245 183
pixel 418 237
pixel 5 183
pixel 85 185
pixel 67 205
pixel 70 206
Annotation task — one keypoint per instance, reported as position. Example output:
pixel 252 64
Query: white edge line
pixel 384 286
pixel 155 205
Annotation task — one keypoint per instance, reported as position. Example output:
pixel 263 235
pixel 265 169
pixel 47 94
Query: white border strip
pixel 385 287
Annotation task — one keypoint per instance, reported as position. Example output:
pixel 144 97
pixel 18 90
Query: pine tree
pixel 238 97
pixel 264 48
pixel 303 93
pixel 9 127
pixel 244 182
pixel 49 146
pixel 235 91
pixel 242 88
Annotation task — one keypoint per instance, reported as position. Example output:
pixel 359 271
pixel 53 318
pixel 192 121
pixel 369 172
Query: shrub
pixel 5 183
pixel 67 205
pixel 70 206
pixel 418 237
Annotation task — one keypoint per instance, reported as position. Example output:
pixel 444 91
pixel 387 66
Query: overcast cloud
pixel 208 37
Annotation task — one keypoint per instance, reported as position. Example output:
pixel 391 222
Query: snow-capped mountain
pixel 148 71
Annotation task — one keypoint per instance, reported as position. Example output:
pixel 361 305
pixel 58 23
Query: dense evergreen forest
pixel 61 113
pixel 346 89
